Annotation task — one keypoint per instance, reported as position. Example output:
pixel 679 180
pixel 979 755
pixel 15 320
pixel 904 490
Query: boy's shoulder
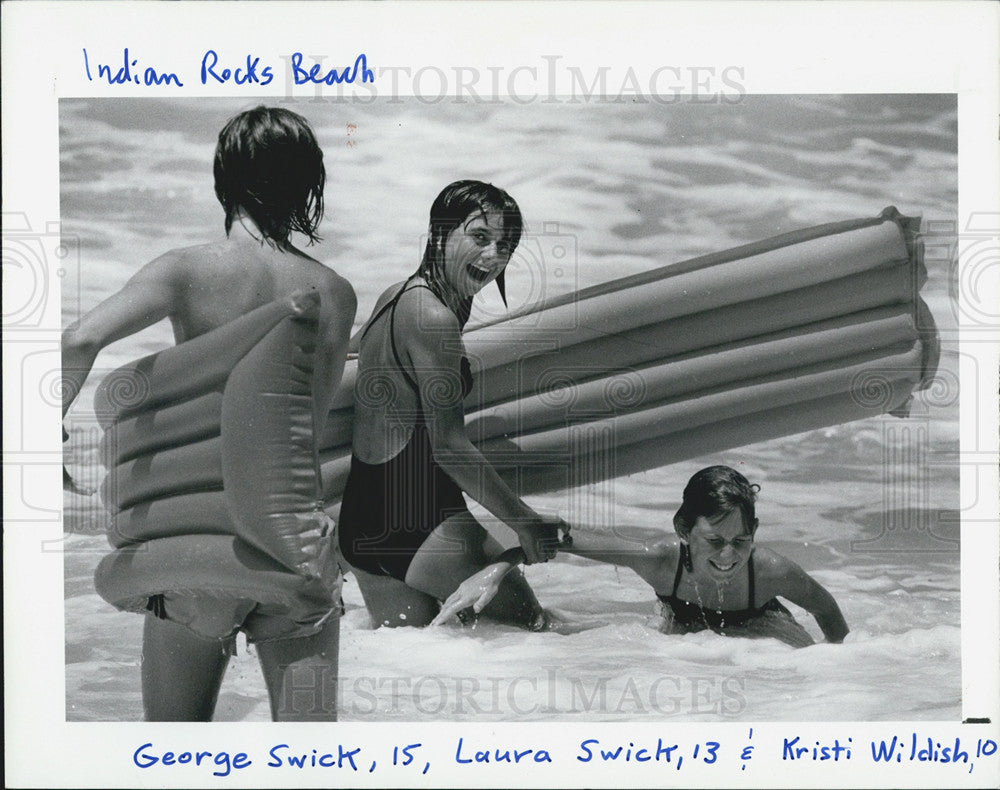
pixel 339 286
pixel 193 257
pixel 173 266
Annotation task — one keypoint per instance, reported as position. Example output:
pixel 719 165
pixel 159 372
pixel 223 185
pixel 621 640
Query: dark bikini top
pixel 691 614
pixel 465 366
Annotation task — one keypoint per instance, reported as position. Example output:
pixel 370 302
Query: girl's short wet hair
pixel 460 199
pixel 712 493
pixel 451 207
pixel 268 163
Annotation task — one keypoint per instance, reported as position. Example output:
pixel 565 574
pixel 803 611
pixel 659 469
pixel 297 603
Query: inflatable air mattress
pixel 808 329
pixel 213 481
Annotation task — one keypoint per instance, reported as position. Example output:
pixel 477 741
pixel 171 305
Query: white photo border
pixel 865 47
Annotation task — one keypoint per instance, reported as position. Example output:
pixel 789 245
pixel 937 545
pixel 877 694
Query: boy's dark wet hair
pixel 268 163
pixel 450 209
pixel 712 493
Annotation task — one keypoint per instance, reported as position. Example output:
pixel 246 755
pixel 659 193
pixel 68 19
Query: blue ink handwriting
pixel 591 749
pixel 895 750
pixel 497 755
pixel 239 75
pixel 124 75
pixel 313 759
pixel 747 752
pixel 792 751
pixel 217 69
pixel 146 757
pixel 348 74
pixel 407 754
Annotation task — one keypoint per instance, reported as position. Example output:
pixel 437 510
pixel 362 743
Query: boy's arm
pixel 802 589
pixel 145 299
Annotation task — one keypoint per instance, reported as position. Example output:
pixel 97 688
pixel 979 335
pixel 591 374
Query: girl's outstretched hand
pixel 478 590
pixel 474 593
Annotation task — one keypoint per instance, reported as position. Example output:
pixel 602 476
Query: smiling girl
pixel 712 576
pixel 404 526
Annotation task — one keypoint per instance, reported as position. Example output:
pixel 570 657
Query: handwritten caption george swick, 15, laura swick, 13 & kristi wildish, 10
pixel 657 755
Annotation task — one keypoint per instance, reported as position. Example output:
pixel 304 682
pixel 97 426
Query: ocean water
pixel 870 509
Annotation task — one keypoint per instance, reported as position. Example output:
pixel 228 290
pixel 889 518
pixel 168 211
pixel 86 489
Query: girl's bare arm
pixel 648 555
pixel 430 337
pixel 793 583
pixel 650 558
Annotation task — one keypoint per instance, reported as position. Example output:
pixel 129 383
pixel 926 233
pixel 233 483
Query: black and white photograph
pixel 529 420
pixel 683 281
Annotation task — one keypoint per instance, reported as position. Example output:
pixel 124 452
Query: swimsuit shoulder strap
pixel 381 311
pixel 392 334
pixel 680 570
pixel 390 307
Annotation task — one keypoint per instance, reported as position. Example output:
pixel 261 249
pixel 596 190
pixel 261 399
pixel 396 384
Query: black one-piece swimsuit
pixel 389 509
pixel 698 618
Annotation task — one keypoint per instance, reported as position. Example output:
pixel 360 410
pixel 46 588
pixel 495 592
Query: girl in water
pixel 712 576
pixel 269 178
pixel 404 526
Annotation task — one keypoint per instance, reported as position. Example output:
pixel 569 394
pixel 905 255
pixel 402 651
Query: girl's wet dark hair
pixel 268 163
pixel 712 493
pixel 452 206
